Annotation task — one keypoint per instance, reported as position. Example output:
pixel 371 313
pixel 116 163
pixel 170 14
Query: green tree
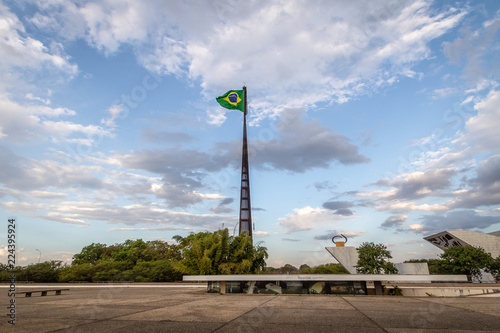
pixel 47 271
pixel 132 260
pixel 288 269
pixel 208 253
pixel 373 259
pixel 328 269
pixel 303 268
pixel 468 260
pixel 82 272
pixel 90 254
pixel 111 270
pixel 159 250
pixel 155 271
pixel 131 251
pixel 269 270
pixel 5 272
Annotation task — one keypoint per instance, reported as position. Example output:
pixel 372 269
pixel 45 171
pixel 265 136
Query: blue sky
pixel 376 120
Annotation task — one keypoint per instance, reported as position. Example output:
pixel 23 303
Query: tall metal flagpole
pixel 245 207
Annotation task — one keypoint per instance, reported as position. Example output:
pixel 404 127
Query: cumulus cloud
pixel 180 190
pixel 339 207
pixel 307 218
pixel 303 145
pixel 300 146
pixel 419 184
pixel 165 160
pixel 484 189
pixel 409 191
pixel 21 51
pixel 402 206
pixel 415 227
pixel 447 160
pixel 222 207
pixel 472 49
pixel 114 112
pixel 28 123
pixel 29 68
pixel 463 219
pixel 324 185
pixel 27 174
pixel 294 46
pixel 183 173
pixel 85 212
pixel 348 234
pixel 394 221
pixel 482 128
pixel 165 228
pixel 414 191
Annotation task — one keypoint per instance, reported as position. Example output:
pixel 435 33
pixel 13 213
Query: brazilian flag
pixel 233 99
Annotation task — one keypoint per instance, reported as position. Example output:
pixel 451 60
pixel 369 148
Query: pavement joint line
pixel 218 328
pixel 452 306
pixel 107 286
pixel 369 319
pixel 109 319
pixel 96 321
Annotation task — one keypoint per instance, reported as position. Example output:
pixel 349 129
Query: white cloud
pixel 415 227
pixel 443 92
pixel 36 98
pixel 456 220
pixel 25 52
pixel 302 145
pixel 308 218
pixel 473 48
pixel 264 233
pixel 296 55
pixel 394 221
pixel 414 185
pixel 65 218
pixel 483 190
pixel 82 212
pixel 47 194
pixel 28 67
pixel 27 123
pixel 29 174
pixel 339 232
pixel 482 129
pixel 165 228
pixel 398 205
pixel 115 112
pixel 421 184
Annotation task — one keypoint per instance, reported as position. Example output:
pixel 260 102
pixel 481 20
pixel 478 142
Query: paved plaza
pixel 188 308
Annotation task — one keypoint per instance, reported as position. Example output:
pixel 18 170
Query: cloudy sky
pixel 378 120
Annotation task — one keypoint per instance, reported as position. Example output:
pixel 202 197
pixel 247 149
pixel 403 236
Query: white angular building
pixel 489 242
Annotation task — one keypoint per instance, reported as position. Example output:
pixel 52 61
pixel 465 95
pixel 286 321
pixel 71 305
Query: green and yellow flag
pixel 233 99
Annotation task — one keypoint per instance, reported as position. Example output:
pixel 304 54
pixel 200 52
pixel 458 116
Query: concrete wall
pixel 347 256
pixel 413 268
pixel 447 291
pixel 489 242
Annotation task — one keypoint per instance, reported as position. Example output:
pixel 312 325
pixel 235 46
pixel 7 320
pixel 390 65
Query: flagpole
pixel 245 206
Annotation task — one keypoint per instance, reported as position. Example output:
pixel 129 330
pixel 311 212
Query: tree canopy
pixel 132 260
pixel 373 259
pixel 468 260
pixel 213 253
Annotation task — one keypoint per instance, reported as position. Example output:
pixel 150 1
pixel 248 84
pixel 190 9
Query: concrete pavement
pixel 188 308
